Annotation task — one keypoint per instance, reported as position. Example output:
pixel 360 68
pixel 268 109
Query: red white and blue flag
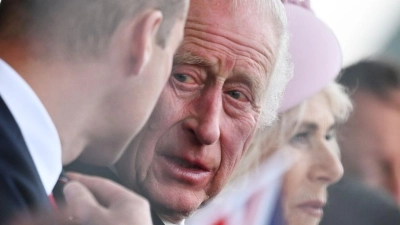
pixel 253 200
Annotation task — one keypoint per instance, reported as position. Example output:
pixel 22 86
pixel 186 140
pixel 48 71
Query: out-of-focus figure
pixel 370 149
pixel 371 138
pixel 318 164
pixel 308 132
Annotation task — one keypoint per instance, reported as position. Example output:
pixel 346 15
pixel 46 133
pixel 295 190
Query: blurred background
pixel 363 27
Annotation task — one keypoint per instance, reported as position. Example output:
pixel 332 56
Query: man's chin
pixel 174 216
pixel 174 211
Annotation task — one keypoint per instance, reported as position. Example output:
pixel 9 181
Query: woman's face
pixel 317 166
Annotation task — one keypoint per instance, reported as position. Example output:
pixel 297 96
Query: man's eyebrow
pixel 189 58
pixel 251 80
pixel 255 83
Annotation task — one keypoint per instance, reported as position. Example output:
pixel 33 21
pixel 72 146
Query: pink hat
pixel 302 3
pixel 315 54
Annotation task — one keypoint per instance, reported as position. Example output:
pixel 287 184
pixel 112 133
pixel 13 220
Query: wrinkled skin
pixel 207 113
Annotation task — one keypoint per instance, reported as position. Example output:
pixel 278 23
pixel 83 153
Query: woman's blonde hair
pixel 266 141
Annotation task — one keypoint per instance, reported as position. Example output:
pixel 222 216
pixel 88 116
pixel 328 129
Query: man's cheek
pixel 231 158
pixel 238 145
pixel 169 108
pixel 162 118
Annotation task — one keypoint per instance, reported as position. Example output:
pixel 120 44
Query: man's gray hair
pixel 79 27
pixel 282 70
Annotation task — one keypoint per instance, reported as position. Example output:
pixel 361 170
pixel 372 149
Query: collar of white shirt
pixel 36 126
pixel 168 223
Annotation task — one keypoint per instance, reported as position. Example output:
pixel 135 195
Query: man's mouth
pixel 187 164
pixel 192 172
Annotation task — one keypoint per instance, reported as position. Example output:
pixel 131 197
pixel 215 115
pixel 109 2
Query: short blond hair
pixel 80 27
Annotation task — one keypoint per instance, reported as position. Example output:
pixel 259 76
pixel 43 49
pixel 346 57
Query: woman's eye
pixel 183 78
pixel 237 95
pixel 329 136
pixel 300 137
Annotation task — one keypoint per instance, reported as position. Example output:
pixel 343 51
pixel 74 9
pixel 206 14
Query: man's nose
pixel 327 167
pixel 205 123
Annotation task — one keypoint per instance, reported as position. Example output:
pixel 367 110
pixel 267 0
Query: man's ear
pixel 144 36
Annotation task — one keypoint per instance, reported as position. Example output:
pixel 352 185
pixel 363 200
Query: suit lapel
pixel 156 219
pixel 20 184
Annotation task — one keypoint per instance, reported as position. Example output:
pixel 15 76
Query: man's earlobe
pixel 144 36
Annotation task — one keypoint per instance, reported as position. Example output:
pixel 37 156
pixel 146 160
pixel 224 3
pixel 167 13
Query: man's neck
pixel 56 82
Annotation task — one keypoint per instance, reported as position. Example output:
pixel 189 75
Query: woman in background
pixel 307 132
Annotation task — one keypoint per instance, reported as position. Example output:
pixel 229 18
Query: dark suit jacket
pixel 21 189
pixel 106 173
pixel 156 219
pixel 352 203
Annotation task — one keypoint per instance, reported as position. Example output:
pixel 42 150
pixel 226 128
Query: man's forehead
pixel 245 19
pixel 242 31
pixel 236 8
pixel 251 31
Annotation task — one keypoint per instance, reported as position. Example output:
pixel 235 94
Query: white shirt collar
pixel 36 126
pixel 168 223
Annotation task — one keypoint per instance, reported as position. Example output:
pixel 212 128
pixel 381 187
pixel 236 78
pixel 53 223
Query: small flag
pixel 253 200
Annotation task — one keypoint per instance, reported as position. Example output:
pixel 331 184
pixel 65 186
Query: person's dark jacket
pixel 350 202
pixel 21 190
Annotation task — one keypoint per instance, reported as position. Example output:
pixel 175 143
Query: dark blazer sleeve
pixel 21 190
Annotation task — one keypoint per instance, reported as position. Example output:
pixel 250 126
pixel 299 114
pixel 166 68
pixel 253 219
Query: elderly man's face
pixel 207 113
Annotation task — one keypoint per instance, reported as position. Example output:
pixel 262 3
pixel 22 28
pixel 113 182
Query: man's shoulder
pixel 9 129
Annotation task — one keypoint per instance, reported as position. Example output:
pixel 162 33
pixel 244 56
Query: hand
pixel 97 201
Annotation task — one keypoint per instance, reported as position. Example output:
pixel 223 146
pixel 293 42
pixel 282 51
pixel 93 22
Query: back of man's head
pixel 79 27
pixel 375 77
pixel 369 140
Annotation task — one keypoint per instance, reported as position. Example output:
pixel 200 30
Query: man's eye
pixel 237 95
pixel 183 78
